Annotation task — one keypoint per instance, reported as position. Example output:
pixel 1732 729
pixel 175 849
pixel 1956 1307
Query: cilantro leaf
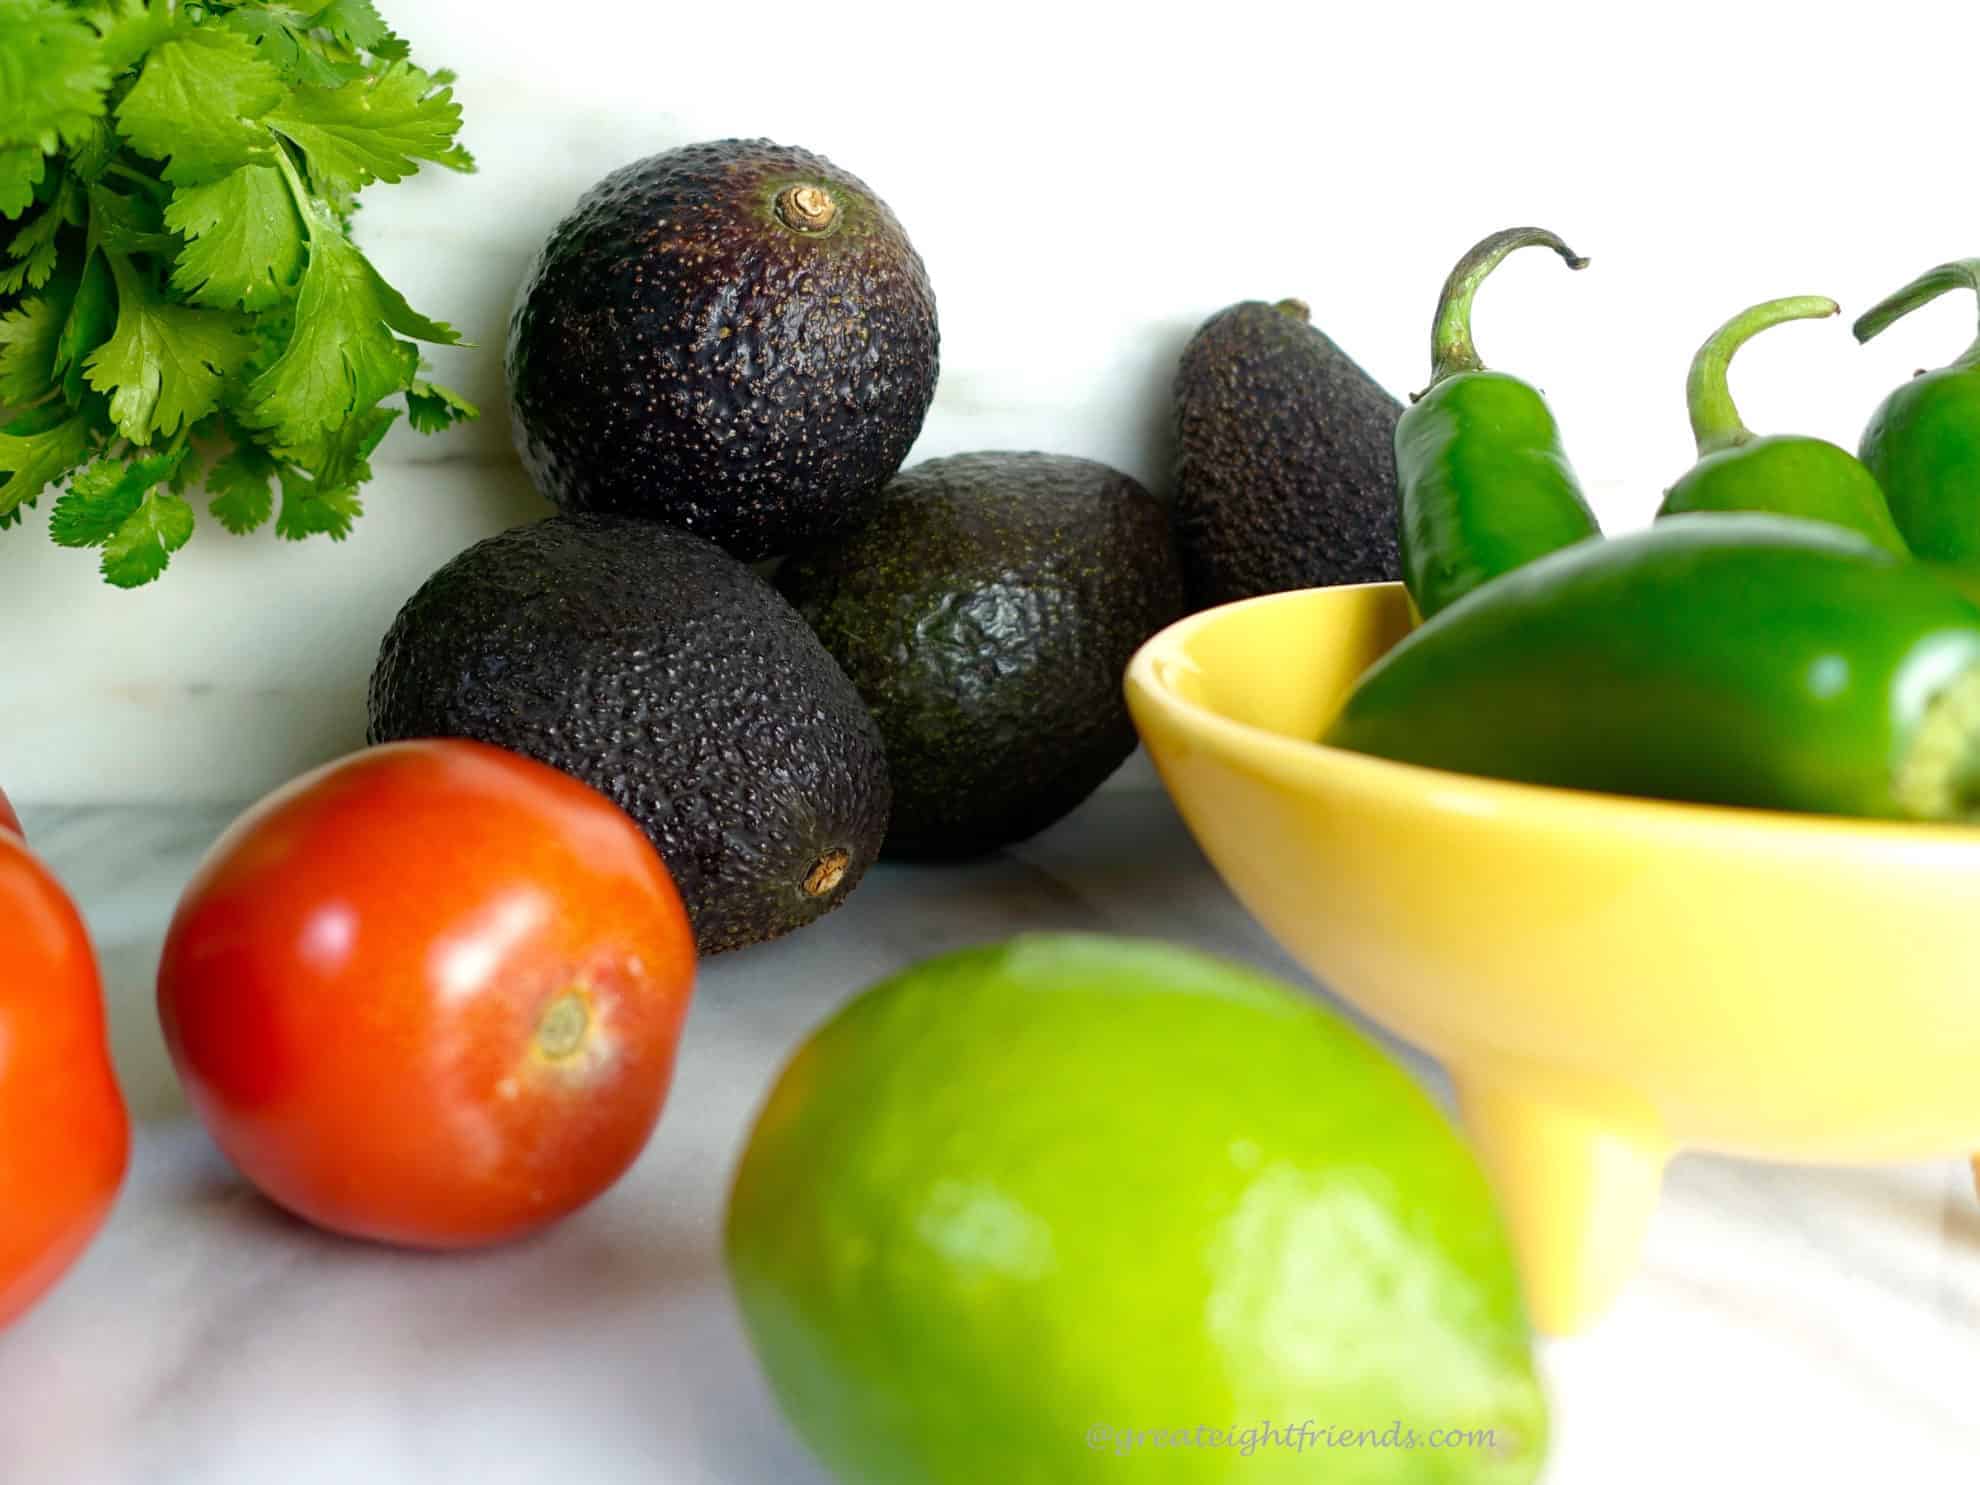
pixel 341 458
pixel 101 498
pixel 33 249
pixel 193 466
pixel 35 453
pixel 91 318
pixel 243 497
pixel 99 480
pixel 376 129
pixel 52 79
pixel 128 224
pixel 35 420
pixel 196 103
pixel 431 408
pixel 144 544
pixel 129 29
pixel 28 338
pixel 246 241
pixel 273 328
pixel 342 356
pixel 90 160
pixel 401 316
pixel 208 154
pixel 359 26
pixel 280 34
pixel 90 511
pixel 164 363
pixel 309 510
pixel 21 170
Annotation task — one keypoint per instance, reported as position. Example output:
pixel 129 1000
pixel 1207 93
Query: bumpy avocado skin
pixel 676 351
pixel 986 606
pixel 669 677
pixel 1286 467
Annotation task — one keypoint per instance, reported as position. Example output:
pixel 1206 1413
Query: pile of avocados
pixel 723 355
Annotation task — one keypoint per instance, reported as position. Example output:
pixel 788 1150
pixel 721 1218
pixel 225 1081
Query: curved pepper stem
pixel 1451 347
pixel 1715 422
pixel 1963 274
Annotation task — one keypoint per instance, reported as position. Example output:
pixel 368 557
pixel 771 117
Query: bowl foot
pixel 1577 1194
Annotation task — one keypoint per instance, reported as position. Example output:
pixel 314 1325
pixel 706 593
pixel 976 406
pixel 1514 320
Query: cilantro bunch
pixel 179 294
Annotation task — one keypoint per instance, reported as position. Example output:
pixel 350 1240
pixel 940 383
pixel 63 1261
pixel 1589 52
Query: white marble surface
pixel 1086 183
pixel 1789 1324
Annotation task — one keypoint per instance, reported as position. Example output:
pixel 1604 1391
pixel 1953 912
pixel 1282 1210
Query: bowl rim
pixel 1417 786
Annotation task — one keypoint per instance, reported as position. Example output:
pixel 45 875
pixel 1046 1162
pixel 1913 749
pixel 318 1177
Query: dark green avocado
pixel 671 678
pixel 1286 468
pixel 986 606
pixel 734 337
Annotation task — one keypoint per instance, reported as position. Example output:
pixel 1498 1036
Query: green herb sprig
pixel 180 298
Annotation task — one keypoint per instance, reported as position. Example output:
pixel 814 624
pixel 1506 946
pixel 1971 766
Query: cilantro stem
pixel 158 188
pixel 306 206
pixel 123 275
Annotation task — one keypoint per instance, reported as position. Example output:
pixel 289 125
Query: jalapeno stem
pixel 1963 274
pixel 1938 778
pixel 1715 422
pixel 1451 348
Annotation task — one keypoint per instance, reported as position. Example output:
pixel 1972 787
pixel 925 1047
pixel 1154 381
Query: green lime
pixel 1075 1209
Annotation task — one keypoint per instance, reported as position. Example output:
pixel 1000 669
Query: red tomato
pixel 429 994
pixel 8 819
pixel 64 1135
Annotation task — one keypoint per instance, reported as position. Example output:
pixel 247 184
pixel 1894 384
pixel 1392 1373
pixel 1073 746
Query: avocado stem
pixel 1962 274
pixel 1715 421
pixel 1451 348
pixel 807 208
pixel 826 873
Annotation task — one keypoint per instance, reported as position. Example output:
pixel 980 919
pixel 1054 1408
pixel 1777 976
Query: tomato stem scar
pixel 561 1031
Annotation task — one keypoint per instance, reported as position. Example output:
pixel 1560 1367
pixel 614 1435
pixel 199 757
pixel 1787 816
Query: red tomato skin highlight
pixel 430 994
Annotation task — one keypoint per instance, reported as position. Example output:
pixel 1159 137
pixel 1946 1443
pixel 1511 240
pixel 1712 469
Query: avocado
pixel 651 665
pixel 986 606
pixel 733 337
pixel 1286 467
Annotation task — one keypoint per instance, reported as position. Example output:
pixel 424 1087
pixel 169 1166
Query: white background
pixel 1086 184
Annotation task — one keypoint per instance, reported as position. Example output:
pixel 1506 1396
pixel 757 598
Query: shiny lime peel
pixel 1012 1213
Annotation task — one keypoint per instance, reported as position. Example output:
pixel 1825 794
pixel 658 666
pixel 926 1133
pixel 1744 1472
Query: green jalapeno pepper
pixel 1786 474
pixel 1484 482
pixel 1923 442
pixel 1754 660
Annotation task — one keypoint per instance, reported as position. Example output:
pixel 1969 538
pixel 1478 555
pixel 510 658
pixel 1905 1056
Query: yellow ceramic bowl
pixel 1607 979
